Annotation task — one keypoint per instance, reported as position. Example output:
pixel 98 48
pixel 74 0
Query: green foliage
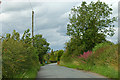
pixel 75 46
pixel 47 57
pixel 65 58
pixel 104 60
pixel 102 70
pixel 41 45
pixel 0 60
pixel 15 35
pixel 89 24
pixel 106 54
pixel 17 59
pixel 26 37
pixel 20 57
pixel 56 55
pixel 59 54
pixel 98 46
pixel 52 56
pixel 94 16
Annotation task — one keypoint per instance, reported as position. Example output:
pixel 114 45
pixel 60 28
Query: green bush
pixel 52 56
pixel 100 45
pixel 59 54
pixel 21 59
pixel 18 59
pixel 0 60
pixel 46 58
pixel 104 60
pixel 65 58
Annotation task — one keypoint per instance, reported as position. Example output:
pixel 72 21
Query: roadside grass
pixel 70 65
pixel 106 71
pixel 31 74
pixel 103 61
pixel 102 70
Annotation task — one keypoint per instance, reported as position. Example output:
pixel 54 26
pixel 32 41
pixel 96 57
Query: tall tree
pixel 59 54
pixel 26 37
pixel 90 23
pixel 41 45
pixel 52 56
pixel 15 35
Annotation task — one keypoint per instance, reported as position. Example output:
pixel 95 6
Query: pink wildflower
pixel 85 55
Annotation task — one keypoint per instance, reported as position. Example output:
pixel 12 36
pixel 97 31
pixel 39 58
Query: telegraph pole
pixel 32 25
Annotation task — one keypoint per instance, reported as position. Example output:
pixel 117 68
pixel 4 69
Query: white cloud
pixel 15 16
pixel 4 17
pixel 43 0
pixel 65 15
pixel 55 39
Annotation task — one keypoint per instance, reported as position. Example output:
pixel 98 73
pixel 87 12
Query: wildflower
pixel 85 55
pixel 5 49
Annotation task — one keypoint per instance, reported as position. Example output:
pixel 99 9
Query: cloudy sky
pixel 51 18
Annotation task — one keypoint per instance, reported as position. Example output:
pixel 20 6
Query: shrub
pixel 59 54
pixel 52 56
pixel 46 58
pixel 100 45
pixel 0 60
pixel 17 58
pixel 105 54
pixel 65 58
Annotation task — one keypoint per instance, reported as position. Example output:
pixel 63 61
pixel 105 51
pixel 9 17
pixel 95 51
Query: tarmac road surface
pixel 55 71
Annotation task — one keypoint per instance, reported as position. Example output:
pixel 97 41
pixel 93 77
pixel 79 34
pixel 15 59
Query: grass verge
pixel 106 71
pixel 31 74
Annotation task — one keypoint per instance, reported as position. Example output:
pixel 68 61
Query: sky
pixel 50 18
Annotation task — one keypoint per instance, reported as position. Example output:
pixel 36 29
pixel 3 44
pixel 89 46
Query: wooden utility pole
pixel 32 25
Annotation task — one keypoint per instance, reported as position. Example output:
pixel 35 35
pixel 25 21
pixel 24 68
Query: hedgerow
pixel 20 58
